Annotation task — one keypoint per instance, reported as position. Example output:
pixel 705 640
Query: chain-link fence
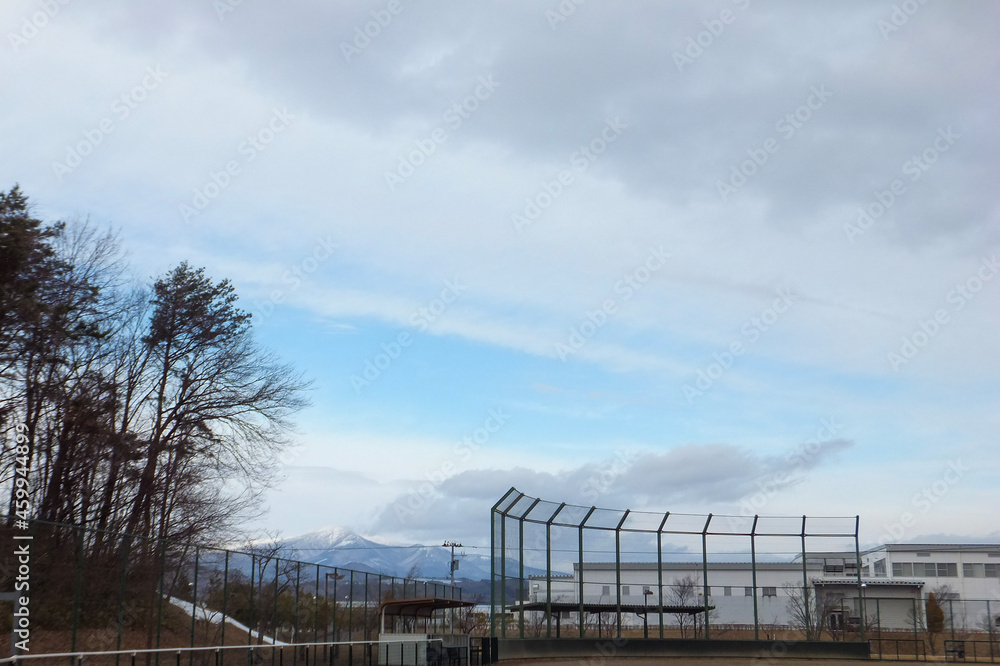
pixel 964 629
pixel 93 591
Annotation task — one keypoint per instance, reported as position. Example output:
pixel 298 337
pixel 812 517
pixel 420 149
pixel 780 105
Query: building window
pixel 727 591
pixel 947 570
pixel 903 569
pixel 605 590
pixel 880 567
pixel 980 570
pixel 625 591
pixel 770 591
pixel 747 591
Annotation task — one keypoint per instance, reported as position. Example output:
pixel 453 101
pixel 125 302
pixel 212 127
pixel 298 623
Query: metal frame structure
pixel 130 583
pixel 751 531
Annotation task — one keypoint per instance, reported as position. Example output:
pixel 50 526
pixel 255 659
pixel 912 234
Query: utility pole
pixel 453 564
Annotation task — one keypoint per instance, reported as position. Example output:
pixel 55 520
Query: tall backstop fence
pixel 96 591
pixel 563 571
pixel 560 569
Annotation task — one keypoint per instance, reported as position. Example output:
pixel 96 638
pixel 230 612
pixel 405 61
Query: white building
pixel 895 581
pixel 972 571
pixel 731 587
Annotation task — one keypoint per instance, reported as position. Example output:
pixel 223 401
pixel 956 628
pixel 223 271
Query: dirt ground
pixel 700 661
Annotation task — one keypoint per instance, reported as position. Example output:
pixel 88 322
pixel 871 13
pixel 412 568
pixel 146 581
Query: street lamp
pixel 645 613
pixel 864 614
pixel 335 575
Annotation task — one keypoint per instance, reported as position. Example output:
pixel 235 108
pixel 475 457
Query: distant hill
pixel 340 547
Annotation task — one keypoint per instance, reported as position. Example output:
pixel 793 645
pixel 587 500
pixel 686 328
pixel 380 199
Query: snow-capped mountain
pixel 340 547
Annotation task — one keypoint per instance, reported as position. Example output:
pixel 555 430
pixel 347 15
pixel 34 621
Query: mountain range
pixel 341 547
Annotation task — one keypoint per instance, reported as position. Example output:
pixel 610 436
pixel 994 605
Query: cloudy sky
pixel 734 256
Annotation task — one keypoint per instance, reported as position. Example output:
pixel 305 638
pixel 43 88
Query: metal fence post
pixel 253 565
pixel 315 638
pixel 274 611
pixel 295 617
pixel 77 592
pixel 704 571
pixel 121 596
pixel 194 602
pixel 159 597
pixel 951 618
pixel 805 584
pixel 753 577
pixel 503 575
pixel 367 635
pixel 659 565
pixel 225 597
pixel 618 572
pixel 548 571
pixel 861 586
pixel 990 625
pixel 878 622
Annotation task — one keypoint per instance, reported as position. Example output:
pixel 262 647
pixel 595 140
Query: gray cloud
pixel 710 476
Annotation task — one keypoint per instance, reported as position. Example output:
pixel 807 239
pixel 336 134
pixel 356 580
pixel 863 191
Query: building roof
pixel 936 548
pixel 422 607
pixel 684 566
pixel 868 582
pixel 558 607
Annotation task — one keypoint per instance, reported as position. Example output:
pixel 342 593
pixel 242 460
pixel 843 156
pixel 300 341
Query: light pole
pixel 326 597
pixel 864 614
pixel 645 613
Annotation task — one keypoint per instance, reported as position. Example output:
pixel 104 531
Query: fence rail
pixel 338 653
pixel 96 591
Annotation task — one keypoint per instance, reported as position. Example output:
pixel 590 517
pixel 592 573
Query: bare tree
pixel 809 610
pixel 682 592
